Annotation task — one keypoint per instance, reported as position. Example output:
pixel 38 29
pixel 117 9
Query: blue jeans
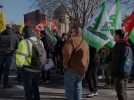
pixel 72 85
pixel 5 64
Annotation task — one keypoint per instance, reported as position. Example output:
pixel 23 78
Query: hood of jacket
pixel 28 32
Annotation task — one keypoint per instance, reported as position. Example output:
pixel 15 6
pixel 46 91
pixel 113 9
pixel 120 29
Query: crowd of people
pixel 35 55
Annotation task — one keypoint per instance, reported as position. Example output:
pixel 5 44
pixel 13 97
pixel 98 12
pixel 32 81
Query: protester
pixel 106 53
pixel 46 69
pixel 16 29
pixel 30 56
pixel 19 35
pixel 75 60
pixel 91 75
pixel 8 46
pixel 120 66
pixel 58 51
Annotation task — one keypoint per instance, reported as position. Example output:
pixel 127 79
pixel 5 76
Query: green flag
pixel 114 21
pixel 115 16
pixel 96 40
pixel 131 36
pixel 101 17
pixel 99 35
pixel 102 24
pixel 106 24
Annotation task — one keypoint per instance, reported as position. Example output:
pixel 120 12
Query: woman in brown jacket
pixel 75 60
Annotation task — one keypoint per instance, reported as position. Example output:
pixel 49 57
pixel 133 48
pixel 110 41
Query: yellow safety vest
pixel 22 54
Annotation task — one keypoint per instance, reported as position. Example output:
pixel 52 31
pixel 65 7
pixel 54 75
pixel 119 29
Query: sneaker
pixel 95 94
pixel 90 95
pixel 47 81
pixel 100 77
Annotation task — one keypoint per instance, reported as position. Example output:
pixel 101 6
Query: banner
pixel 115 16
pixel 100 20
pixel 2 20
pixel 99 35
pixel 114 22
pixel 96 40
pixel 105 27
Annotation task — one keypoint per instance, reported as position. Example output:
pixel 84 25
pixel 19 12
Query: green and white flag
pixel 115 16
pixel 112 21
pixel 97 40
pixel 104 23
pixel 97 36
pixel 115 20
pixel 93 36
pixel 105 27
pixel 100 20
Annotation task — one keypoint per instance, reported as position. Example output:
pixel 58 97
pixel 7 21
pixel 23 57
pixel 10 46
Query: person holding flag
pixel 122 61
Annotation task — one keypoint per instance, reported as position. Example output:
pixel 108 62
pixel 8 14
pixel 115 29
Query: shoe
pixel 47 81
pixel 100 77
pixel 90 95
pixel 95 94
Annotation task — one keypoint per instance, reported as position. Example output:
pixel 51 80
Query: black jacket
pixel 14 41
pixel 118 54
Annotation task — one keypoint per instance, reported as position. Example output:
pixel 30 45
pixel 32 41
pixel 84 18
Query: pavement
pixel 54 90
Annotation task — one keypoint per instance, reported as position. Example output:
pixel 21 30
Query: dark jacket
pixel 118 54
pixel 92 56
pixel 13 39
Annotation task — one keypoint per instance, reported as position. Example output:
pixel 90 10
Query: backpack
pixel 6 44
pixel 39 57
pixel 128 62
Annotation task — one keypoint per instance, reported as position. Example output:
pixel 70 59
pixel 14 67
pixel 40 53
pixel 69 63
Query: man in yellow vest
pixel 24 61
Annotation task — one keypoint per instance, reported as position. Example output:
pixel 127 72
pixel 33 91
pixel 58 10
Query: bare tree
pixel 81 11
pixel 48 6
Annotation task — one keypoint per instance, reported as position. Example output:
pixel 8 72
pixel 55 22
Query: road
pixel 55 91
